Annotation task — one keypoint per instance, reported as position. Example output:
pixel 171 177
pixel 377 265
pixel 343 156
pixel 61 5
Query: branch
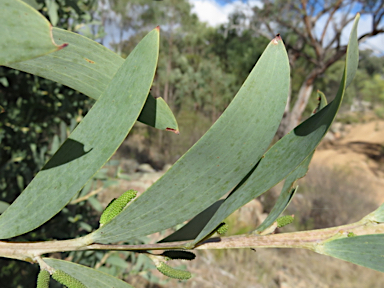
pixel 306 239
pixel 309 28
pixel 373 33
pixel 89 195
pixel 336 6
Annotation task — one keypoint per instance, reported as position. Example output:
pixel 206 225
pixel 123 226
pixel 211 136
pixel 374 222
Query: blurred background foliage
pixel 200 69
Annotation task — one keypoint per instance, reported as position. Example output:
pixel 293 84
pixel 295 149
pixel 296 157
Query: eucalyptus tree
pixel 314 34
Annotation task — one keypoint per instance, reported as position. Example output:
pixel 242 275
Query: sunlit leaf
pixel 283 157
pixel 88 67
pixel 218 161
pixel 89 146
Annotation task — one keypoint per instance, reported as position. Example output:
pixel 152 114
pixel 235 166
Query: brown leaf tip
pixel 173 130
pixel 158 28
pixel 276 40
pixel 59 47
pixel 62 46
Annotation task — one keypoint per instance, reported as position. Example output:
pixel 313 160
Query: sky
pixel 216 12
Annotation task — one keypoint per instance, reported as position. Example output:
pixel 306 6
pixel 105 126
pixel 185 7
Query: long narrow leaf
pixel 89 146
pixel 24 33
pixel 218 161
pixel 88 67
pixel 283 157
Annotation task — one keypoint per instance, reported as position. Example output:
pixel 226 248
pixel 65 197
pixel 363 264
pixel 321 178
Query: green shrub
pixel 229 166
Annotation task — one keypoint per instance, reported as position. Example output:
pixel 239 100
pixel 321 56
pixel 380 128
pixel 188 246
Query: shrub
pixel 233 156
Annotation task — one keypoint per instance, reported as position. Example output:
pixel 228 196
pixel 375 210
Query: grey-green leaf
pixel 218 161
pixel 89 146
pixel 88 276
pixel 88 67
pixel 283 157
pixel 366 250
pixel 24 33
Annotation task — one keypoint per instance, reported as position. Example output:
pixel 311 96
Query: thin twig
pixel 89 195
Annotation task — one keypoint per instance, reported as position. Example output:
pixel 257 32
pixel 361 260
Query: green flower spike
pixel 116 206
pixel 284 220
pixel 223 228
pixel 67 280
pixel 172 272
pixel 43 279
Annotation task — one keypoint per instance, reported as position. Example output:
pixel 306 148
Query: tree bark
pixel 293 118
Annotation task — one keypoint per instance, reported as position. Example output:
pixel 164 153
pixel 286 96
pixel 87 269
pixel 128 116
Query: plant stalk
pixel 312 240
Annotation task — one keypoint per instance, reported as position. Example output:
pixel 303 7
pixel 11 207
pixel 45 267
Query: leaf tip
pixel 62 46
pixel 158 28
pixel 173 130
pixel 59 47
pixel 276 40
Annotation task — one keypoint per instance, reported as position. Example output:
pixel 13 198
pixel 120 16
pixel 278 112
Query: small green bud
pixel 172 272
pixel 284 220
pixel 67 280
pixel 116 206
pixel 223 228
pixel 351 234
pixel 43 279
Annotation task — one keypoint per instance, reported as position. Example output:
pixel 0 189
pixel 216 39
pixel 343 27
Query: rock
pixel 128 166
pixel 145 168
pixel 330 137
pixel 166 167
pixel 249 214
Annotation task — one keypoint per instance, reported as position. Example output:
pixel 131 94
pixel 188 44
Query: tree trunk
pixel 294 117
pixel 281 131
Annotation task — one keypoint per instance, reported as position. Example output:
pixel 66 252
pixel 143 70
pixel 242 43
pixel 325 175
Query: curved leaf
pixel 218 161
pixel 283 157
pixel 24 33
pixel 89 146
pixel 88 67
pixel 88 276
